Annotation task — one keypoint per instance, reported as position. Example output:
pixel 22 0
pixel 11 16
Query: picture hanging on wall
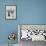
pixel 11 12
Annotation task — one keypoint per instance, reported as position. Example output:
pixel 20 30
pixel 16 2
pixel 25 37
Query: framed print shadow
pixel 10 12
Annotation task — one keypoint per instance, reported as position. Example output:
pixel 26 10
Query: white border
pixel 18 33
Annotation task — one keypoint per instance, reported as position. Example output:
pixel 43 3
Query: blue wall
pixel 28 12
pixel 33 12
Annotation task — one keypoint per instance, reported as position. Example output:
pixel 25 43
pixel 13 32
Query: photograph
pixel 11 12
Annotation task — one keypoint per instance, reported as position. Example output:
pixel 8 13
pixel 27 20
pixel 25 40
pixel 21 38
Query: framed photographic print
pixel 11 12
pixel 33 32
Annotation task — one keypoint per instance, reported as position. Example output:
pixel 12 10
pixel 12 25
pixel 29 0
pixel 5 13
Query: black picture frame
pixel 10 16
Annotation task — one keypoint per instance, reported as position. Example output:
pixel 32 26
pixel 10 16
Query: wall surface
pixel 28 12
